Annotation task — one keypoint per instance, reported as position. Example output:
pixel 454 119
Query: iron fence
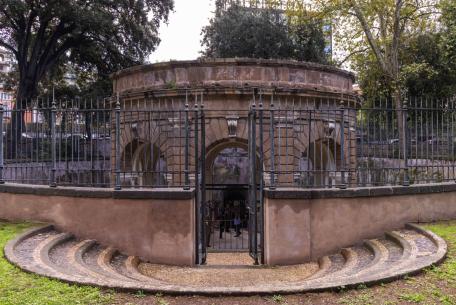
pixel 262 4
pixel 155 142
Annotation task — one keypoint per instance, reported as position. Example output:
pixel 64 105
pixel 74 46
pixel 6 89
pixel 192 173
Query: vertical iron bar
pixel 406 181
pixel 197 170
pixel 253 199
pixel 309 142
pixel 2 109
pixel 271 139
pixel 343 185
pixel 117 170
pixel 53 141
pixel 203 181
pixel 186 152
pixel 260 161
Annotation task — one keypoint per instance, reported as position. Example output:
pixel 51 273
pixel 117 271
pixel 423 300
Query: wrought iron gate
pixel 254 202
pixel 200 162
pixel 255 196
pixel 252 198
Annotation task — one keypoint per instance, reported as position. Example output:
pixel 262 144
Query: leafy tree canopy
pixel 448 41
pixel 93 37
pixel 427 60
pixel 373 33
pixel 263 33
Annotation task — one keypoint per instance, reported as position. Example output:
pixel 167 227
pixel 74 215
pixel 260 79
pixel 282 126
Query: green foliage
pixel 277 298
pixel 448 42
pixel 413 297
pixel 20 288
pixel 424 70
pixel 92 37
pixel 263 33
pixel 426 51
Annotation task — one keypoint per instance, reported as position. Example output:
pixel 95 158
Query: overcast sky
pixel 180 39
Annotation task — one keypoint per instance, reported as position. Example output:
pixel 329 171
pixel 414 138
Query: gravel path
pixel 228 269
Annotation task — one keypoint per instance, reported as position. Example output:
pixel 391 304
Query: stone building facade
pixel 308 102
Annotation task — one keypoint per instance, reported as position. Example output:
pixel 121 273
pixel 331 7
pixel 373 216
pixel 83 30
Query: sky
pixel 180 38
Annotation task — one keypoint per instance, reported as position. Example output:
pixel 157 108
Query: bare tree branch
pixel 370 38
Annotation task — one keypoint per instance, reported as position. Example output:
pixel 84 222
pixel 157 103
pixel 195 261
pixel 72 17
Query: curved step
pixel 409 251
pixel 104 261
pixel 131 265
pixel 365 258
pixel 350 261
pixel 20 250
pixel 60 255
pixel 82 249
pixel 440 244
pixel 414 258
pixel 324 264
pixel 54 254
pixel 380 253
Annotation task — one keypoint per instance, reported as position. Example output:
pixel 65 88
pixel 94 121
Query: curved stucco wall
pixel 321 222
pixel 156 225
pixel 159 225
pixel 231 73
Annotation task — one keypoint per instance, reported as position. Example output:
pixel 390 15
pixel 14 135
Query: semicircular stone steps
pixel 50 253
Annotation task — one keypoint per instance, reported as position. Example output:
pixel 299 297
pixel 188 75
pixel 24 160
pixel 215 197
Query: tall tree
pixel 239 31
pixel 98 34
pixel 378 30
pixel 448 42
pixel 425 70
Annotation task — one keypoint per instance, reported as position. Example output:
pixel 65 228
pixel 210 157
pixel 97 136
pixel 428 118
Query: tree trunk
pixel 401 125
pixel 23 98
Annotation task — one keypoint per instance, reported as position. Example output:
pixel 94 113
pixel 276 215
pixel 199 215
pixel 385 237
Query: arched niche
pixel 320 164
pixel 143 165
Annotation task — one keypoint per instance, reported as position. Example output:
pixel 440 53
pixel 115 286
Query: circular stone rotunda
pixel 230 176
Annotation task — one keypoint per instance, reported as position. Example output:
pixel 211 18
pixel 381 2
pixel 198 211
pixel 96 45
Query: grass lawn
pixel 17 287
pixel 436 285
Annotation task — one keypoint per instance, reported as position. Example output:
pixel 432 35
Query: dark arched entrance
pixel 230 168
pixel 227 194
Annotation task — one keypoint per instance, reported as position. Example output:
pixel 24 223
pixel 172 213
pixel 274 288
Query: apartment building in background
pixel 6 96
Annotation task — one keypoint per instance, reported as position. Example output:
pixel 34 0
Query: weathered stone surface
pixel 233 73
pixel 404 252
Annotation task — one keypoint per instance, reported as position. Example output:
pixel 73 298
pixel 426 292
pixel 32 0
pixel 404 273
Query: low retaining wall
pixel 159 225
pixel 301 225
pixel 156 225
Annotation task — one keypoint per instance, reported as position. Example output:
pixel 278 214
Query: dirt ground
pixel 416 290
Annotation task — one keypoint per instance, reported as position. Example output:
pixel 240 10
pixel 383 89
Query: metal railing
pixel 305 142
pixel 266 4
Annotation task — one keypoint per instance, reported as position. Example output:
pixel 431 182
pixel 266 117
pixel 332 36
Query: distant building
pixel 6 96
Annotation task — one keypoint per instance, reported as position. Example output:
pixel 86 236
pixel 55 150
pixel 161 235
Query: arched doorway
pixel 227 196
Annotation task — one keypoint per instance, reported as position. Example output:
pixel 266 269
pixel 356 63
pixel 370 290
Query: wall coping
pixel 296 193
pixel 181 194
pixel 87 192
pixel 212 62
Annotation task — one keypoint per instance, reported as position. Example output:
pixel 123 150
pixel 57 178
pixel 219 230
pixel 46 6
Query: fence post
pixel 197 186
pixel 271 140
pixel 406 180
pixel 118 186
pixel 53 182
pixel 2 109
pixel 202 185
pixel 343 184
pixel 187 144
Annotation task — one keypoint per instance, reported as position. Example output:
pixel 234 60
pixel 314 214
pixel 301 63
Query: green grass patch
pixel 447 271
pixel 413 297
pixel 436 286
pixel 20 288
